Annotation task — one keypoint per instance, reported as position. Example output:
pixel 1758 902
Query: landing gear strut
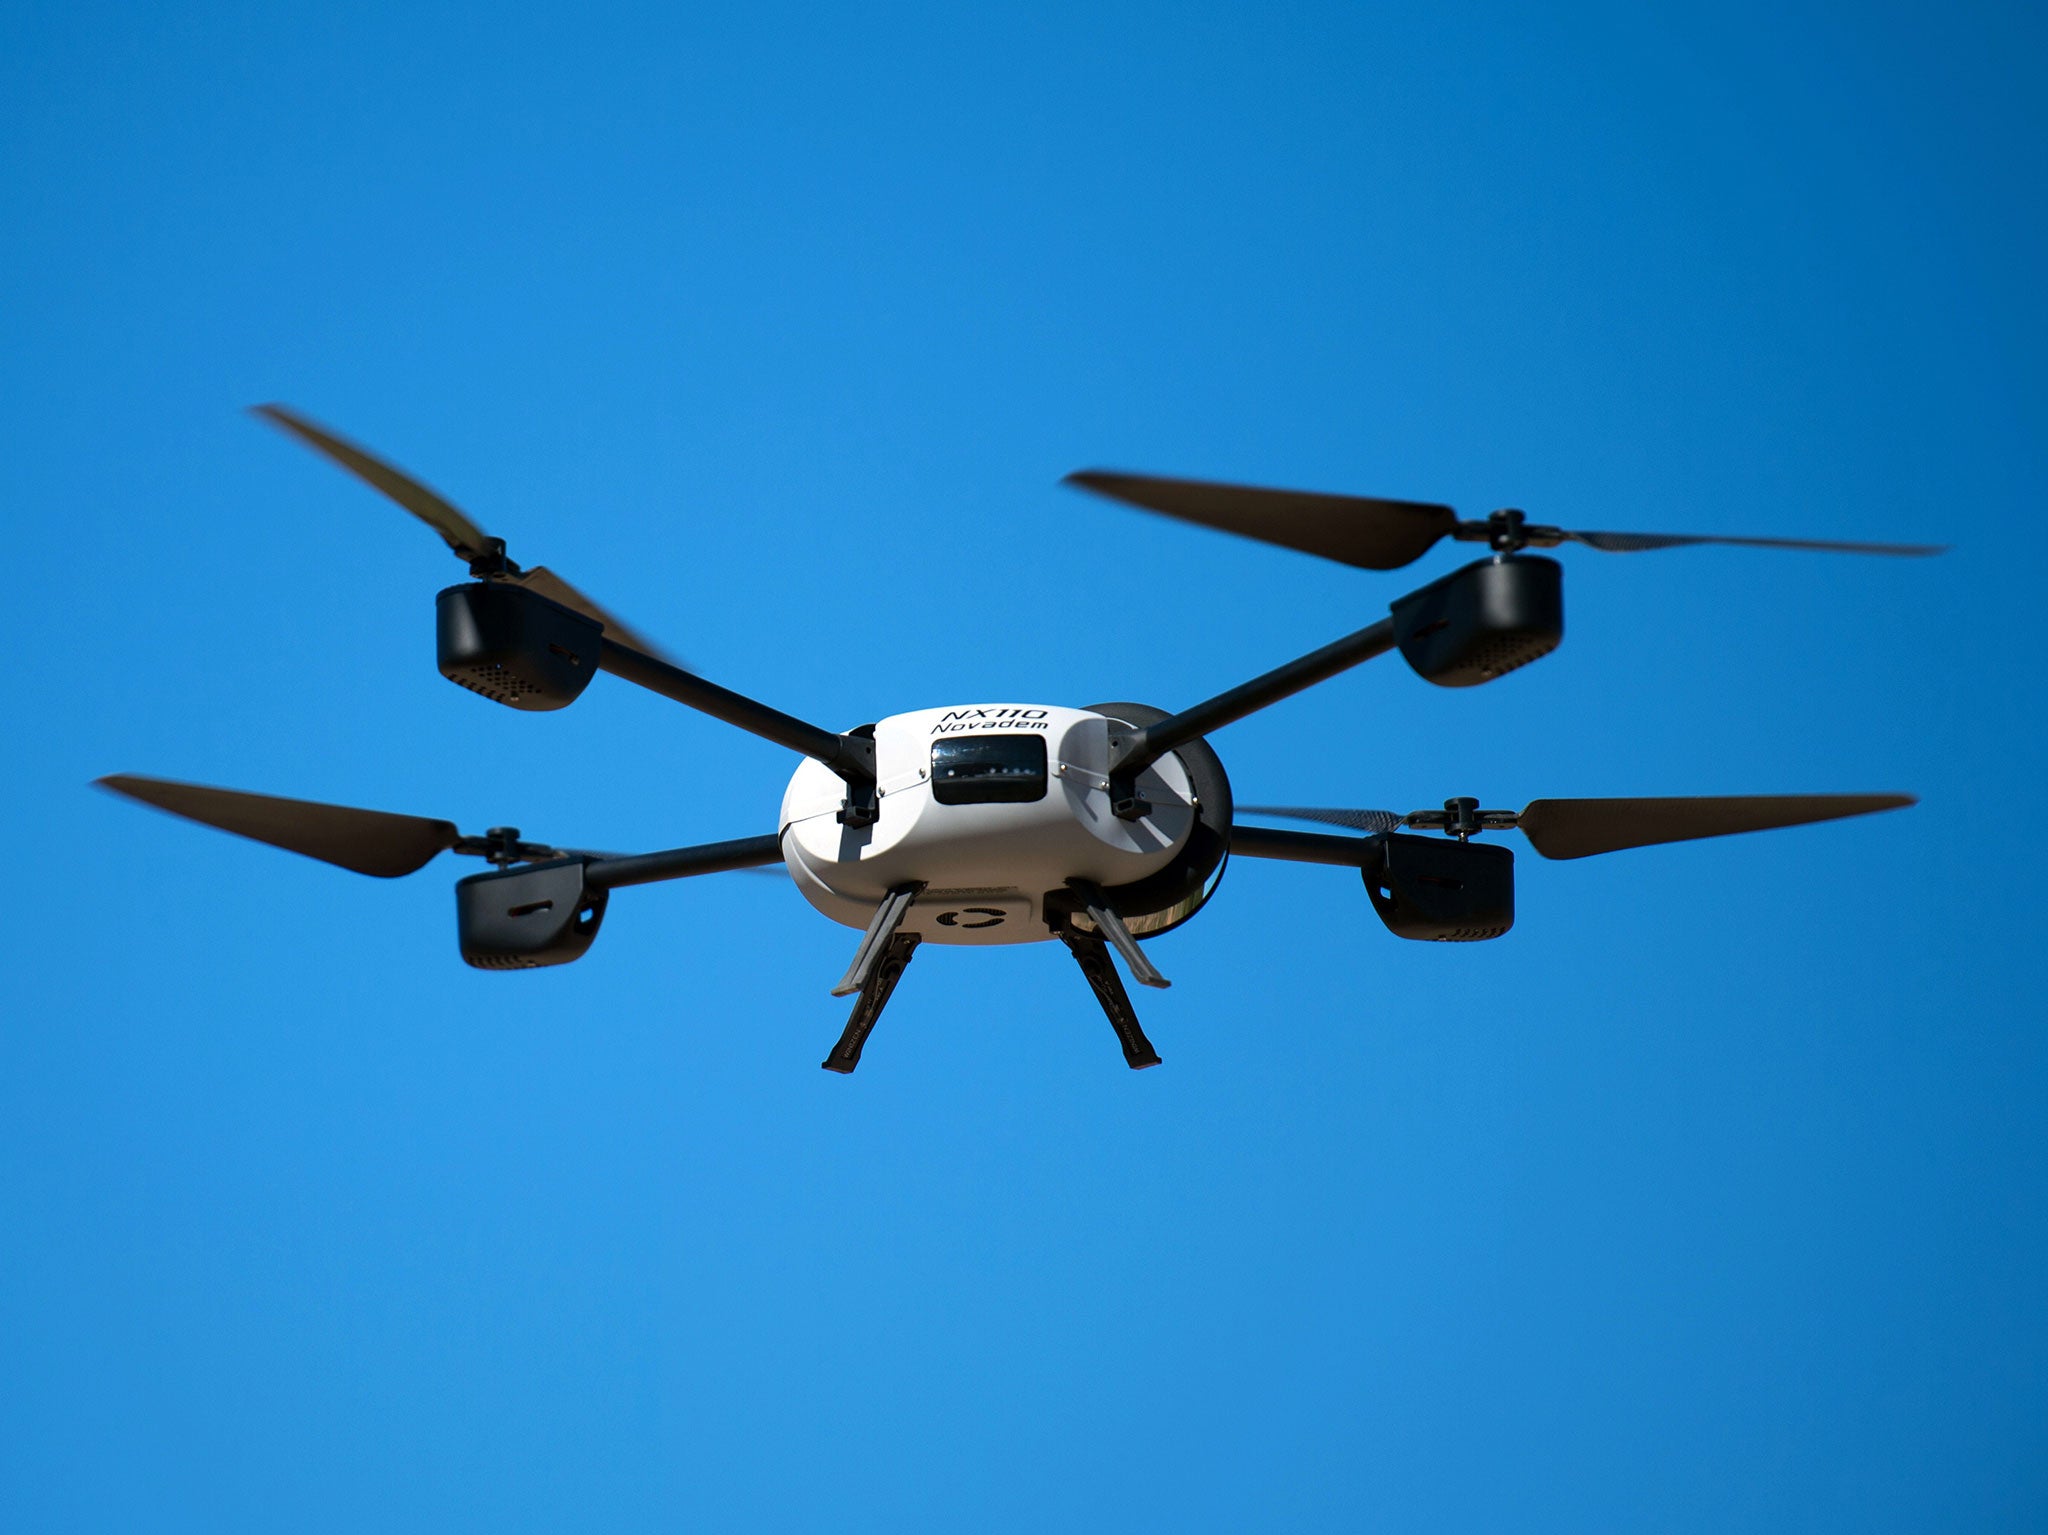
pixel 1093 956
pixel 877 966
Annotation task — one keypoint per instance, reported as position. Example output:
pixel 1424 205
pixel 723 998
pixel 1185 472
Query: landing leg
pixel 877 966
pixel 881 928
pixel 1093 956
pixel 1111 926
pixel 874 996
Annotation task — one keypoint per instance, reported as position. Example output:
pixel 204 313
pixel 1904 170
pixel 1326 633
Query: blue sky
pixel 1709 1199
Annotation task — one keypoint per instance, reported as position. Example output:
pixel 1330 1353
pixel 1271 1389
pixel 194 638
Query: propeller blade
pixel 1375 534
pixel 1636 543
pixel 367 841
pixel 468 541
pixel 1361 531
pixel 1356 820
pixel 463 536
pixel 1579 828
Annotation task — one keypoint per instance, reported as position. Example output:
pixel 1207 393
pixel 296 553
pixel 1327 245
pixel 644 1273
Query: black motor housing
pixel 1483 621
pixel 515 646
pixel 1440 891
pixel 522 919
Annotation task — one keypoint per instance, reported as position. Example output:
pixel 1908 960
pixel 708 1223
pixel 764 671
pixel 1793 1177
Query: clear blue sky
pixel 1711 1199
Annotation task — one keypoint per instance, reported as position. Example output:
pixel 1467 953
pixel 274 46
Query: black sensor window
pixel 988 770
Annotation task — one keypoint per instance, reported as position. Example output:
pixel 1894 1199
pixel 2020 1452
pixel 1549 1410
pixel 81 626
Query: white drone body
pixel 1008 823
pixel 989 808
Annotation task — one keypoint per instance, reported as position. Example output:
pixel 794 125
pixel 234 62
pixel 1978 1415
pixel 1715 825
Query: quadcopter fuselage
pixel 991 808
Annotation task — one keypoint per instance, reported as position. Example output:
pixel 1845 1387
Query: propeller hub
pixel 502 845
pixel 491 563
pixel 1505 530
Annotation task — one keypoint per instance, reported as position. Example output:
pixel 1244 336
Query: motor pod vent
pixel 1482 622
pixel 514 646
pixel 522 919
pixel 1440 891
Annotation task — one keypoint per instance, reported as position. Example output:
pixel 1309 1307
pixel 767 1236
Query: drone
pixel 1007 823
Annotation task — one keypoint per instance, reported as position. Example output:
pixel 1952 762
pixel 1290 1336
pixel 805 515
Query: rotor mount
pixel 1462 818
pixel 501 848
pixel 501 845
pixel 1506 530
pixel 1509 531
pixel 490 563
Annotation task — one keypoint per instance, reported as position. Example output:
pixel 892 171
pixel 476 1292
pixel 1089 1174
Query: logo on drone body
pixel 984 916
pixel 959 721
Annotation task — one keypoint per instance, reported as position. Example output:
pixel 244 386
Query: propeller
pixel 368 841
pixel 1579 828
pixel 1374 534
pixel 484 554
